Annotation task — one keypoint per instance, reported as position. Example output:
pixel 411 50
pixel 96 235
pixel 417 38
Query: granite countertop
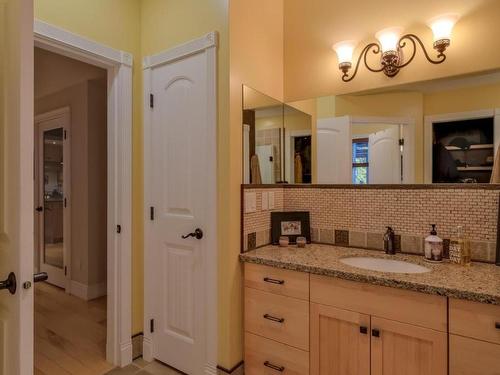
pixel 479 282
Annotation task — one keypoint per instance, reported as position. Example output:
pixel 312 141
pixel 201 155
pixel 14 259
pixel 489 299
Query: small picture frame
pixel 290 224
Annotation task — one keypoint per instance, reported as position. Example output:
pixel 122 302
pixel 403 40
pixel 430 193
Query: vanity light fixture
pixel 390 47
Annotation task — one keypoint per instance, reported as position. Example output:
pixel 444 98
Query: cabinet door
pixel 399 348
pixel 473 357
pixel 340 341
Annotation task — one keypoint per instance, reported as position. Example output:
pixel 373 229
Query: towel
pixel 255 177
pixel 495 174
pixel 298 169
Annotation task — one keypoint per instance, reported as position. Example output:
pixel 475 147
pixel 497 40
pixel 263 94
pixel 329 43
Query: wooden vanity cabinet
pixel 300 324
pixel 369 329
pixel 474 338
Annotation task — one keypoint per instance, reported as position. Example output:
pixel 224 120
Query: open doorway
pixel 70 216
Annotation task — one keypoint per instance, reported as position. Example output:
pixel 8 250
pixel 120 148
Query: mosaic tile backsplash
pixel 359 217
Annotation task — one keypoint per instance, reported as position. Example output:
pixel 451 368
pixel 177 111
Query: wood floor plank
pixel 70 333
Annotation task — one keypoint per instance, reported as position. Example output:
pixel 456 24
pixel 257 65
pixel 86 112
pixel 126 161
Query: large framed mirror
pixel 438 131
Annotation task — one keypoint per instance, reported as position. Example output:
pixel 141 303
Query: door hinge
pixel 65 202
pixel 65 134
pixel 118 228
pixel 402 142
pixel 151 101
pixel 65 271
pixel 152 325
pixel 152 213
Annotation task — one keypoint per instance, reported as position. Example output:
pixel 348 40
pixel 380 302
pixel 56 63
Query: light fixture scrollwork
pixel 391 46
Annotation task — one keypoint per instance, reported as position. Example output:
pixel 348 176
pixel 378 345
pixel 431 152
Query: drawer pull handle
pixel 274 367
pixel 375 333
pixel 497 325
pixel 363 330
pixel 274 281
pixel 273 318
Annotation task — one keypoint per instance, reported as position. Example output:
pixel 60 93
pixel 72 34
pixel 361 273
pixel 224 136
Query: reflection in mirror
pixel 262 133
pixel 440 131
pixel 298 145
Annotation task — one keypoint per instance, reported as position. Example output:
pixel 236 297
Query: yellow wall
pixel 115 23
pixel 462 100
pixel 311 67
pixel 256 59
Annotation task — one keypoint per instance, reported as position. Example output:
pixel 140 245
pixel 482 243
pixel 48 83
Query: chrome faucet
pixel 389 245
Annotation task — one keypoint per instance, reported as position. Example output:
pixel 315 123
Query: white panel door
pixel 180 182
pixel 266 163
pixel 334 150
pixel 16 185
pixel 384 157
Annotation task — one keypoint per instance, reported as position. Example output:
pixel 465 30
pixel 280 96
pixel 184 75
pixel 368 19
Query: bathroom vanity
pixel 306 312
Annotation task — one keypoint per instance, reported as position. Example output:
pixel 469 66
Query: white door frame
pixel 119 196
pixel 457 116
pixel 408 135
pixel 61 113
pixel 208 45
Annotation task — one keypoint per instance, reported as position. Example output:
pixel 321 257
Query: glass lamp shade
pixel 442 26
pixel 389 38
pixel 344 51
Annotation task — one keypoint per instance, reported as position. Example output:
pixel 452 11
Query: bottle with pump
pixel 433 248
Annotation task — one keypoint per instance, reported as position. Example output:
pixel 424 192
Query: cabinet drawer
pixel 416 308
pixel 279 318
pixel 473 357
pixel 275 280
pixel 267 357
pixel 476 320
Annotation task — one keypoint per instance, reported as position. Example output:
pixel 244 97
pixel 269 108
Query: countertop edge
pixel 381 281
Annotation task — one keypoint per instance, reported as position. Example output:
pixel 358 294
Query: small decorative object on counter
pixel 389 237
pixel 433 248
pixel 301 241
pixel 459 248
pixel 284 241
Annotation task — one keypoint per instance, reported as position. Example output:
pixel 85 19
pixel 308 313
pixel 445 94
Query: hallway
pixel 70 333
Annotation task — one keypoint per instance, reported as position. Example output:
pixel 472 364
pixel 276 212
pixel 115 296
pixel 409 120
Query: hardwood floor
pixel 70 333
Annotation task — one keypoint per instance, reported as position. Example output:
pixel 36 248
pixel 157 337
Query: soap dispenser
pixel 433 248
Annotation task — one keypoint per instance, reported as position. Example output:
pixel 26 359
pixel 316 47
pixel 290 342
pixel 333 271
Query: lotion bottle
pixel 433 248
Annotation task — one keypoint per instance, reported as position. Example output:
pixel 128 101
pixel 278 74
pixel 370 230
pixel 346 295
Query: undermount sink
pixel 384 265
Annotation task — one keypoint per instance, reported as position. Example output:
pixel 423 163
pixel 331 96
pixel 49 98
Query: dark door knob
pixel 39 208
pixel 198 234
pixel 41 276
pixel 10 283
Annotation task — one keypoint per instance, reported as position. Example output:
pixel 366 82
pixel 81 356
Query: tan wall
pixel 256 60
pixel 69 72
pixel 87 103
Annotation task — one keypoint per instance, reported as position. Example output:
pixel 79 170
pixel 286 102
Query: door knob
pixel 39 208
pixel 198 234
pixel 10 283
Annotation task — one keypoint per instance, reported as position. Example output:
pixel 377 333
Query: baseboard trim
pixel 87 292
pixel 232 370
pixel 137 345
pixel 126 353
